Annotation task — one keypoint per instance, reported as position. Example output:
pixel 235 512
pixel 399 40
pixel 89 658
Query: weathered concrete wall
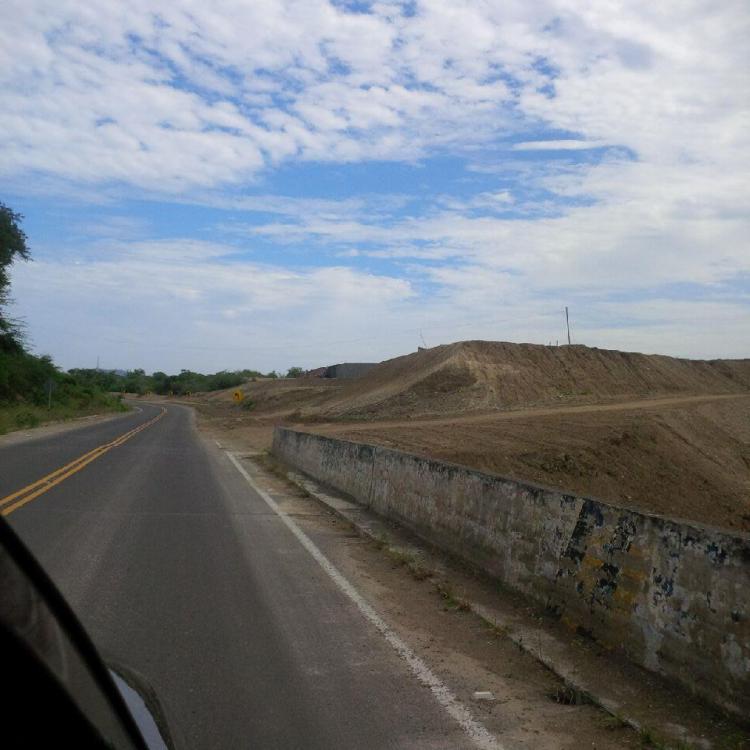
pixel 674 596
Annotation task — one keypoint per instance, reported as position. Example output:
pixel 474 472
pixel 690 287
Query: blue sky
pixel 269 184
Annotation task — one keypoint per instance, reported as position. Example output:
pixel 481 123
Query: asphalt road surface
pixel 182 573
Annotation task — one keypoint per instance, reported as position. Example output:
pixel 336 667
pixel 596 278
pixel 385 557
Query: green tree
pixel 12 247
pixel 294 372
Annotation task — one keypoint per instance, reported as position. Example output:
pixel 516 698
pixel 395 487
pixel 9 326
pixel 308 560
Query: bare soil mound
pixel 587 420
pixel 274 395
pixel 480 375
pixel 686 459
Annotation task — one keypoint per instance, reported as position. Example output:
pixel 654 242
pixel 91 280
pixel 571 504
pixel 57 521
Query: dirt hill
pixel 683 452
pixel 479 375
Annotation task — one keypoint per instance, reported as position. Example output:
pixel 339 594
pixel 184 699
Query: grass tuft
pixel 567 695
pixel 614 721
pixel 451 600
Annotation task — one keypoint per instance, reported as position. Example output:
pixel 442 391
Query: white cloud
pixel 193 94
pixel 163 303
pixel 198 95
pixel 560 145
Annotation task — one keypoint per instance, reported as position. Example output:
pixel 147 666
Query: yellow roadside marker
pixel 26 494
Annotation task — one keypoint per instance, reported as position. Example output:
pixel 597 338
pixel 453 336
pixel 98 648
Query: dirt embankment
pixel 621 426
pixel 479 375
pixel 687 460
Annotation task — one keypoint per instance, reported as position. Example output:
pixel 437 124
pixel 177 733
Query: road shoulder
pixel 521 702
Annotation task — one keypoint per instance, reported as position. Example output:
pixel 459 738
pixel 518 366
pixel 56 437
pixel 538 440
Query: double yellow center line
pixel 25 495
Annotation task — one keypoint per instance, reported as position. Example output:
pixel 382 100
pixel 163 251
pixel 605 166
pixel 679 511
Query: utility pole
pixel 97 360
pixel 567 323
pixel 49 386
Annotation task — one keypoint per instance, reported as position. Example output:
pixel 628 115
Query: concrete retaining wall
pixel 674 596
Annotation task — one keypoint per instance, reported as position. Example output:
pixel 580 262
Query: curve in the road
pixel 31 491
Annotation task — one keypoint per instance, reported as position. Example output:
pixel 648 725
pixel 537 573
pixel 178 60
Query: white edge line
pixel 476 731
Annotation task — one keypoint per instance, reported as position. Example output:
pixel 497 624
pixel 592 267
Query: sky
pixel 267 184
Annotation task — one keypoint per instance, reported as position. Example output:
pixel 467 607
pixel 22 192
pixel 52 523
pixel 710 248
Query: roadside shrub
pixel 26 419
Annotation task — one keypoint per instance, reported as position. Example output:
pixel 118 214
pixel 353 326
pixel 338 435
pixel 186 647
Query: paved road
pixel 181 572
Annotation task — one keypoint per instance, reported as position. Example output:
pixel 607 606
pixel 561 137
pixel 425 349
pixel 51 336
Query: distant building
pixel 344 370
pixel 349 369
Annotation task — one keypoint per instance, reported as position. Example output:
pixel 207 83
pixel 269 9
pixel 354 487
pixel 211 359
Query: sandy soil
pixel 664 435
pixel 686 459
pixel 471 376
